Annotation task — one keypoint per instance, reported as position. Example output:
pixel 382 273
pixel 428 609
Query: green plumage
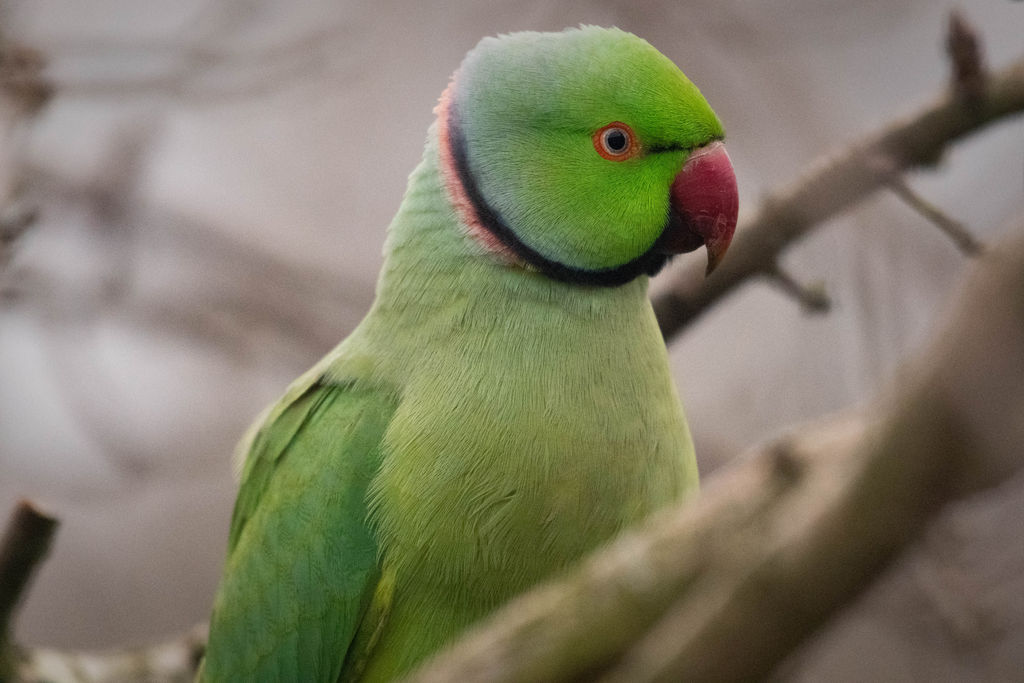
pixel 543 176
pixel 483 428
pixel 286 607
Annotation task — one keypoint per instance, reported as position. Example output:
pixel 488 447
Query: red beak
pixel 704 205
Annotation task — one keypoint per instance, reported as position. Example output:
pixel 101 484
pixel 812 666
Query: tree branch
pixel 812 298
pixel 23 92
pixel 173 661
pixel 964 48
pixel 25 543
pixel 726 587
pixel 834 185
pixel 965 241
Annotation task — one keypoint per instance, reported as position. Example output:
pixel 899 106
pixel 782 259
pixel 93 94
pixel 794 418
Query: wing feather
pixel 301 563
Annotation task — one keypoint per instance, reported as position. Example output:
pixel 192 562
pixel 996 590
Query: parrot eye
pixel 616 142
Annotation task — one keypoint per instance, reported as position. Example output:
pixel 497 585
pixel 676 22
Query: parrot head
pixel 586 155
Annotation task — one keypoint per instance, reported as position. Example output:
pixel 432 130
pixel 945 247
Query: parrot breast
pixel 534 425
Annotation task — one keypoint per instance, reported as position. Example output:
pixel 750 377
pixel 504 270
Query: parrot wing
pixel 301 566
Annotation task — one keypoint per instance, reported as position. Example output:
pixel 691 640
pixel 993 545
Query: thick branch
pixel 835 185
pixel 724 588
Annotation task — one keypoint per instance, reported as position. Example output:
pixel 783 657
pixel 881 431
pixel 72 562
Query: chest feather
pixel 508 458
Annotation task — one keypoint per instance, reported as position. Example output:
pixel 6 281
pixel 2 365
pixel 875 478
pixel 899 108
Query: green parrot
pixel 506 406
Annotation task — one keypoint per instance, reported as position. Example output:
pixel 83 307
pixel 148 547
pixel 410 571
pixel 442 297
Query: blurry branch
pixel 975 100
pixel 174 661
pixel 21 81
pixel 187 83
pixel 244 301
pixel 961 236
pixel 201 72
pixel 233 296
pixel 25 543
pixel 255 288
pixel 726 587
pixel 23 92
pixel 964 48
pixel 813 298
pixel 24 546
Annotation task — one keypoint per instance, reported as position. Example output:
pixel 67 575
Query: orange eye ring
pixel 616 142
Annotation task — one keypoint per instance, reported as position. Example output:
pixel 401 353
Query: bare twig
pixel 21 78
pixel 964 48
pixel 961 236
pixel 190 85
pixel 23 91
pixel 725 588
pixel 812 298
pixel 835 185
pixel 286 298
pixel 14 220
pixel 200 77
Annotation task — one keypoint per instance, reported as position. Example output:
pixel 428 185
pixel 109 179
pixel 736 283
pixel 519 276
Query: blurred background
pixel 212 180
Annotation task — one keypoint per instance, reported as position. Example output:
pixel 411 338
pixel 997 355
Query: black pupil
pixel 616 140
